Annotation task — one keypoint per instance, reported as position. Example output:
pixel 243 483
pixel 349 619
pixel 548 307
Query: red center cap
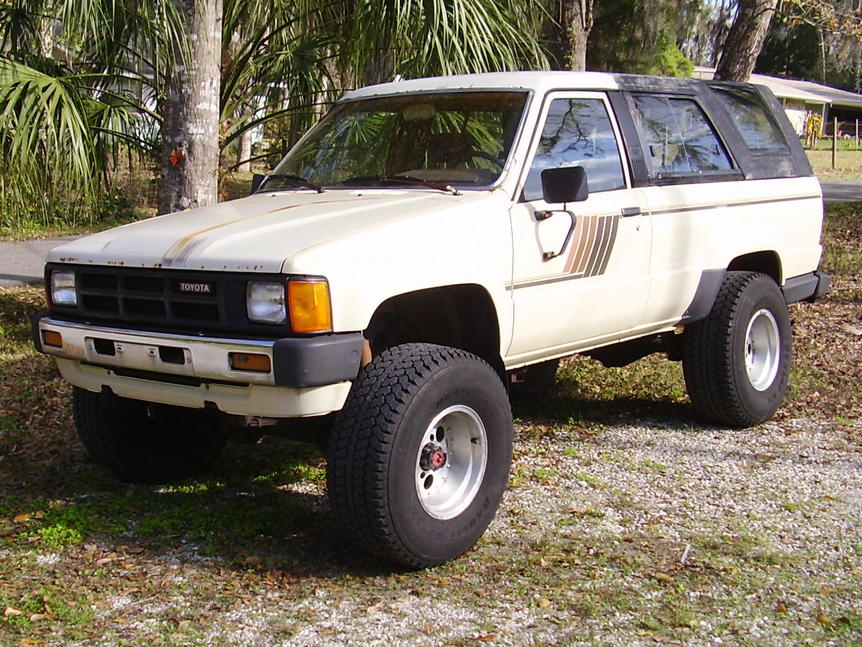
pixel 438 460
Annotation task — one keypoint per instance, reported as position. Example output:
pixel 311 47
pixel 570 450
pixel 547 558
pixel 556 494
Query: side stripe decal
pixel 592 245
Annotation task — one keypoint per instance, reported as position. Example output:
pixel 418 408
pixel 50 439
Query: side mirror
pixel 565 184
pixel 256 180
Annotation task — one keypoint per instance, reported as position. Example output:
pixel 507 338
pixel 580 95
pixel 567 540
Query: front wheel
pixel 419 456
pixel 736 362
pixel 144 442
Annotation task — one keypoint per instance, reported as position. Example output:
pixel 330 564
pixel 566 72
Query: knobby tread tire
pixel 713 361
pixel 124 437
pixel 365 432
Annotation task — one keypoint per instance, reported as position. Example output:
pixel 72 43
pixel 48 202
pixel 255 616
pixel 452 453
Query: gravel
pixel 623 535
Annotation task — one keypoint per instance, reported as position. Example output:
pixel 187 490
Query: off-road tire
pixel 538 380
pixel 749 319
pixel 375 469
pixel 143 442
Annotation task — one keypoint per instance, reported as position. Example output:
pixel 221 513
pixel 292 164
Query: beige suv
pixel 427 246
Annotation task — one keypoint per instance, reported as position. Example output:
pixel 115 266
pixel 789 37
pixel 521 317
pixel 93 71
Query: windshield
pixel 457 138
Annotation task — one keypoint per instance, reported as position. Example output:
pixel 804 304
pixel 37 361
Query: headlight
pixel 63 291
pixel 264 302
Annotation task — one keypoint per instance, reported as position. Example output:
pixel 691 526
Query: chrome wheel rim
pixel 451 462
pixel 762 350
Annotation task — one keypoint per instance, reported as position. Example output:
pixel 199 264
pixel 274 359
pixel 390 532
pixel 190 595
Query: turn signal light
pixel 309 308
pixel 250 362
pixel 52 338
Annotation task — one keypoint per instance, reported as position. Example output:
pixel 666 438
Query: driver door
pixel 580 273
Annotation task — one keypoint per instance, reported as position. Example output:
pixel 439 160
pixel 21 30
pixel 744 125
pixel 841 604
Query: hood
pixel 256 234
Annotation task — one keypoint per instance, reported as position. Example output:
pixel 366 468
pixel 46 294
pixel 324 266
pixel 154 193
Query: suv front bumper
pixel 308 376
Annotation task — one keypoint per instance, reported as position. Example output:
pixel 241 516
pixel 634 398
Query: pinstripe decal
pixel 593 242
pixel 597 247
pixel 182 249
pixel 612 237
pixel 591 247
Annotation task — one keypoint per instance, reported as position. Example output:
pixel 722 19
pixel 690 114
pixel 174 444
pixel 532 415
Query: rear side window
pixel 759 131
pixel 678 138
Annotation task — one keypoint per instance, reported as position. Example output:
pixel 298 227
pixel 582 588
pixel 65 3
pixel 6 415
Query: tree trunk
pixel 245 152
pixel 190 112
pixel 576 21
pixel 745 40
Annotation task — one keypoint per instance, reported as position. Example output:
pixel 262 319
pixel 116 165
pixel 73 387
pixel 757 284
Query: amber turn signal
pixel 52 338
pixel 250 362
pixel 308 304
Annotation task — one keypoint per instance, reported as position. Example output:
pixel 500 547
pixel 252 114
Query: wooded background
pixel 103 98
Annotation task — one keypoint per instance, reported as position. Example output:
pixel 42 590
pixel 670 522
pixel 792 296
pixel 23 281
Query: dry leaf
pixel 663 577
pixel 544 603
pixel 11 612
pixel 37 616
pixel 822 619
pixel 827 590
pixel 485 639
pixel 24 516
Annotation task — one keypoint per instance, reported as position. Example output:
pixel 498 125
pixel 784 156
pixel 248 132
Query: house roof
pixel 807 91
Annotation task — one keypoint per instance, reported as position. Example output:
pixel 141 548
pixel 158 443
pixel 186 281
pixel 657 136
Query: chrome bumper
pixel 204 358
pixel 307 377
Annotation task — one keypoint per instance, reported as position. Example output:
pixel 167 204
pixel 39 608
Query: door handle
pixel 628 212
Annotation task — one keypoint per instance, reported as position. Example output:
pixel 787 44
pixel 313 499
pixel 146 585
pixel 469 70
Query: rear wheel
pixel 737 361
pixel 535 380
pixel 145 442
pixel 419 456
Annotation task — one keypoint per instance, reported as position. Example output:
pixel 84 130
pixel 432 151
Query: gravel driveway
pixel 655 533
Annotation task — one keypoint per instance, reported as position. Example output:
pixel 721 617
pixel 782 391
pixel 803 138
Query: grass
pixel 132 200
pixel 85 559
pixel 848 163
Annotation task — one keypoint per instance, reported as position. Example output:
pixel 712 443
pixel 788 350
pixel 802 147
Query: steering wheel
pixel 485 156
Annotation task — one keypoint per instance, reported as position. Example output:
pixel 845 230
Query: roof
pixel 538 81
pixel 807 91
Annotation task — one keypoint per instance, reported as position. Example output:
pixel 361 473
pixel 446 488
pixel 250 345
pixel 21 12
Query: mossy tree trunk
pixel 745 40
pixel 576 21
pixel 190 111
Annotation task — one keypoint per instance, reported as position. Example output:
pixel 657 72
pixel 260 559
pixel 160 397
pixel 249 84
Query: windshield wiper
pixel 403 179
pixel 301 181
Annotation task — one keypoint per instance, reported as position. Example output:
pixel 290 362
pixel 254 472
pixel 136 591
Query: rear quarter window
pixel 759 131
pixel 678 138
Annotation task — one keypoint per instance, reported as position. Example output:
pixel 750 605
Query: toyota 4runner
pixel 428 246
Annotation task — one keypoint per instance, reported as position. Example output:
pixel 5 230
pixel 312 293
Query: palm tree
pixel 75 82
pixel 82 79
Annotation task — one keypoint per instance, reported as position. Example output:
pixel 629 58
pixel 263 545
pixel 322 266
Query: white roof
pixel 807 91
pixel 537 81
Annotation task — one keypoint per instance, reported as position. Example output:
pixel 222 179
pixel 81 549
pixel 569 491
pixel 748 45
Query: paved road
pixel 22 262
pixel 842 190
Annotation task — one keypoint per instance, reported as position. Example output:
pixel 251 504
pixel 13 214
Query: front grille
pixel 166 300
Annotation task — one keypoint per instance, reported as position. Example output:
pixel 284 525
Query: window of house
pixel 678 138
pixel 577 132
